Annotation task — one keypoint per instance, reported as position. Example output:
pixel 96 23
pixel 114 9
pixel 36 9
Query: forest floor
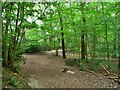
pixel 44 70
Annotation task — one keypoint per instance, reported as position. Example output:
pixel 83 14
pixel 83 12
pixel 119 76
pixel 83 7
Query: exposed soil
pixel 44 70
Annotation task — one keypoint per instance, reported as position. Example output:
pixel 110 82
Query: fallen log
pixel 112 74
pixel 92 72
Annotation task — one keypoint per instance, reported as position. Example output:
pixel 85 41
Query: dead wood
pixel 92 72
pixel 105 69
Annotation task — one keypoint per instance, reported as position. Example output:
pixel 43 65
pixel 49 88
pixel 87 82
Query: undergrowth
pixel 14 82
pixel 11 80
pixel 94 65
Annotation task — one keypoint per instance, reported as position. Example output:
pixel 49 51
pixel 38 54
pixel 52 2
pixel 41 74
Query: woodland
pixel 60 44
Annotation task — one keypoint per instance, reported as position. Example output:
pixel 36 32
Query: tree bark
pixel 83 46
pixel 83 41
pixel 5 44
pixel 14 50
pixel 5 37
pixel 63 42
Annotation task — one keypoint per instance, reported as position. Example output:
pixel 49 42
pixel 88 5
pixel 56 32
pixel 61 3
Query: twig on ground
pixel 92 72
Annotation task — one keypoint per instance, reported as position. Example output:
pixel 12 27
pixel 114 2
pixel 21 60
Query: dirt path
pixel 44 71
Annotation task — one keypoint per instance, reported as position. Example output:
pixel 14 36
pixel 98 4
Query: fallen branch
pixel 108 73
pixel 113 74
pixel 116 79
pixel 113 77
pixel 105 69
pixel 92 72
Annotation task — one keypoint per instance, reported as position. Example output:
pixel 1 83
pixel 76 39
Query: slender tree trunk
pixel 114 48
pixel 50 40
pixel 86 44
pixel 5 44
pixel 22 29
pixel 83 41
pixel 83 46
pixel 50 37
pixel 63 42
pixel 94 44
pixel 5 38
pixel 63 46
pixel 15 39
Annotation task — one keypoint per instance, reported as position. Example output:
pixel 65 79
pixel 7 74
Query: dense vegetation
pixel 92 30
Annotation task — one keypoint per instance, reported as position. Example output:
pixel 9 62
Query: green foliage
pixel 9 79
pixel 14 82
pixel 112 64
pixel 33 34
pixel 16 67
pixel 33 48
pixel 115 54
pixel 42 28
pixel 21 50
pixel 95 65
pixel 82 66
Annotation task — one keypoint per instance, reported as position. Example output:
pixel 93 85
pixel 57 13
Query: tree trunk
pixel 83 41
pixel 114 48
pixel 15 38
pixel 5 39
pixel 5 45
pixel 63 42
pixel 83 46
pixel 94 44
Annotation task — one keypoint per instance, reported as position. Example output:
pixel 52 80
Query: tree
pixel 83 46
pixel 12 32
pixel 5 36
pixel 62 33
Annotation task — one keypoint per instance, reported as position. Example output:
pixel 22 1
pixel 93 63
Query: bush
pixel 15 83
pixel 16 67
pixel 113 66
pixel 82 66
pixel 96 64
pixel 33 48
